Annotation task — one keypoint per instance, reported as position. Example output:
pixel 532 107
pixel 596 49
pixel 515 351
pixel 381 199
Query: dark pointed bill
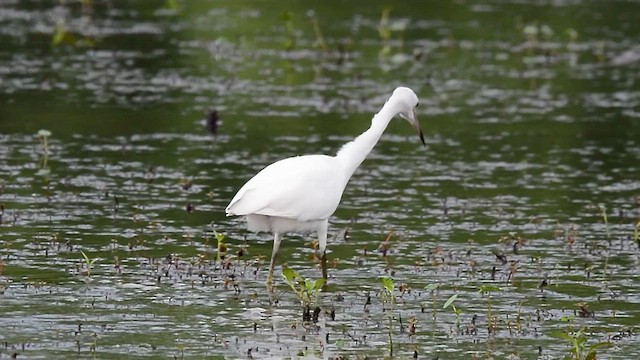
pixel 411 118
pixel 421 135
pixel 416 126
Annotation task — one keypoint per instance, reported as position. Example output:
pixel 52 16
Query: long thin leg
pixel 274 254
pixel 322 245
pixel 324 266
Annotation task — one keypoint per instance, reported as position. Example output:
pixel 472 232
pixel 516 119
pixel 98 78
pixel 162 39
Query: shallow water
pixel 530 111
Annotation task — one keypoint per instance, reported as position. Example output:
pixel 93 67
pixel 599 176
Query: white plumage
pixel 299 194
pixel 293 185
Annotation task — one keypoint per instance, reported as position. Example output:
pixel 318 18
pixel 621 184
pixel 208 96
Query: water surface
pixel 530 111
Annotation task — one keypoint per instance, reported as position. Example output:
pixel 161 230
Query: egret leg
pixel 322 245
pixel 324 266
pixel 274 254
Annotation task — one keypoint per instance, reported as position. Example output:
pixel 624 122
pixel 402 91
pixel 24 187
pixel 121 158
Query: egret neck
pixel 353 153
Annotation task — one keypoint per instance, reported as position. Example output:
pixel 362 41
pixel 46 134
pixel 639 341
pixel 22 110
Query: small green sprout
pixel 388 297
pixel 320 43
pixel 456 311
pixel 387 283
pixel 289 43
pixel 384 31
pixel 222 248
pixel 432 288
pixel 603 213
pixel 88 263
pixel 487 289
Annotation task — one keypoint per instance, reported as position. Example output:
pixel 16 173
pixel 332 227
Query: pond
pixel 512 234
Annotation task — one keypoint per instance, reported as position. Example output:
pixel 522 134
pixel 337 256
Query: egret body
pixel 299 194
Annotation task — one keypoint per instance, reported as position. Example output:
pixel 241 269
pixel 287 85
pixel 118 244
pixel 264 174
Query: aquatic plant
pixel 386 29
pixel 305 289
pixel 320 43
pixel 432 288
pixel 88 262
pixel 181 348
pixel 289 29
pixel 603 213
pixel 43 135
pixel 456 311
pixel 487 289
pixel 389 298
pixel 384 32
pixel 222 248
pixel 578 340
pixel 62 36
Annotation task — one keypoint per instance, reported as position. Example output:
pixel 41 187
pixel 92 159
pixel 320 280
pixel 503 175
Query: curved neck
pixel 353 153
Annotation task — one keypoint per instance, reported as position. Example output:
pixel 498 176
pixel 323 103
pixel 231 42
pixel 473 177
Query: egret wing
pixel 302 188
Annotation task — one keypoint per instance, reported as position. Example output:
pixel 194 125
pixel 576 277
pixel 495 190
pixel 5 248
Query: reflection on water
pixel 529 181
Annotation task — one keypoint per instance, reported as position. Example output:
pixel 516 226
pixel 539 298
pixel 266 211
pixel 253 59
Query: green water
pixel 530 111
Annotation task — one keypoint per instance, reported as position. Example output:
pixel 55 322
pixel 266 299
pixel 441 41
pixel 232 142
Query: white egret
pixel 298 194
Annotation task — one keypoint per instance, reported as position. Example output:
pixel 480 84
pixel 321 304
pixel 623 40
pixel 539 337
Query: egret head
pixel 407 101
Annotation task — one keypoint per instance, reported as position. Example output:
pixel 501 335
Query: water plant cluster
pixel 506 298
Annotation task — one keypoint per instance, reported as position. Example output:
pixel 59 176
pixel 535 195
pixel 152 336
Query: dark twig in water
pixel 212 122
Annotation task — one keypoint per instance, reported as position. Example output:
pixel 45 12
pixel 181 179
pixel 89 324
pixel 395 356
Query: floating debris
pixel 212 122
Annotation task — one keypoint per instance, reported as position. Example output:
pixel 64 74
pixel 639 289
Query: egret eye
pixel 417 104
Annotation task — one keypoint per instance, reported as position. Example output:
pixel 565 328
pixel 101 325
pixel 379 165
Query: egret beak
pixel 411 118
